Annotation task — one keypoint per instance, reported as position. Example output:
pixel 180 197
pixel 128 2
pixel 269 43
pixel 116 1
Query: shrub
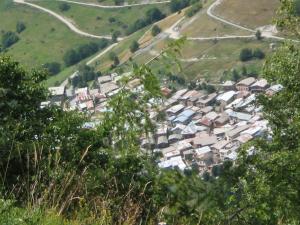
pixel 8 39
pixel 134 46
pixel 20 27
pixel 155 30
pixel 64 7
pixel 193 10
pixel 258 53
pixel 246 54
pixel 52 68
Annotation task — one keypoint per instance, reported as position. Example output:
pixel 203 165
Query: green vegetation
pixel 20 27
pixel 74 56
pixel 134 46
pixel 52 68
pixel 155 30
pixel 101 21
pixel 8 39
pixel 45 39
pixel 177 5
pixel 64 6
pixel 85 75
pixel 194 9
pixel 247 54
pixel 55 172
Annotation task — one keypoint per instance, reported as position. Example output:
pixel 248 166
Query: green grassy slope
pixel 96 20
pixel 45 38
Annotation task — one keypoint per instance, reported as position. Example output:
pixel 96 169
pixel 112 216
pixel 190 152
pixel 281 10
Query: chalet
pixel 222 119
pixel 226 97
pixel 162 142
pixel 190 94
pixel 108 87
pixel 57 95
pixel 259 86
pixel 104 79
pixel 245 84
pixel 204 139
pixel 235 132
pixel 206 100
pixel 204 153
pixel 184 117
pixel 173 138
pixel 175 110
pixel 274 89
pixel 228 85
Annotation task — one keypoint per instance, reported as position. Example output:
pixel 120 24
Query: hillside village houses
pixel 200 130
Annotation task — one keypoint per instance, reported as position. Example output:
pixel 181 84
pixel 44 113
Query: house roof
pixel 184 116
pixel 55 91
pixel 104 79
pixel 223 118
pixel 179 93
pixel 275 88
pixel 182 145
pixel 220 144
pixel 106 88
pixel 237 130
pixel 206 99
pixel 202 151
pixel 226 96
pixel 260 83
pixel 243 138
pixel 238 115
pixel 206 109
pixel 205 139
pixel 173 162
pixel 228 83
pixel 212 115
pixel 247 82
pixel 175 109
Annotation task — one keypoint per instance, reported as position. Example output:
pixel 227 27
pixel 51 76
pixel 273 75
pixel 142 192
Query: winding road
pixel 173 32
pixel 113 6
pixel 64 20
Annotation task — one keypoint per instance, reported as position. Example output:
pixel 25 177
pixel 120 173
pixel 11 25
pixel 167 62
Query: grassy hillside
pixel 45 38
pixel 98 21
pixel 252 14
pixel 209 59
pixel 112 2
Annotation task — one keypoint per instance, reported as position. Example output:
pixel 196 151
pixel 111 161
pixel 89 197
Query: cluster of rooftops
pixel 202 130
pixel 86 99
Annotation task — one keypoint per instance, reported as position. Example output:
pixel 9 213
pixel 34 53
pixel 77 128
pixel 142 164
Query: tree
pixel 71 57
pixel 176 5
pixel 64 6
pixel 53 68
pixel 153 15
pixel 258 35
pixel 8 39
pixel 134 46
pixel 297 7
pixel 20 27
pixel 194 9
pixel 258 53
pixel 115 35
pixel 235 75
pixel 246 54
pixel 155 30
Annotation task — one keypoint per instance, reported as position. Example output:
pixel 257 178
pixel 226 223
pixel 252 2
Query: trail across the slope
pixel 64 20
pixel 113 6
pixel 264 34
